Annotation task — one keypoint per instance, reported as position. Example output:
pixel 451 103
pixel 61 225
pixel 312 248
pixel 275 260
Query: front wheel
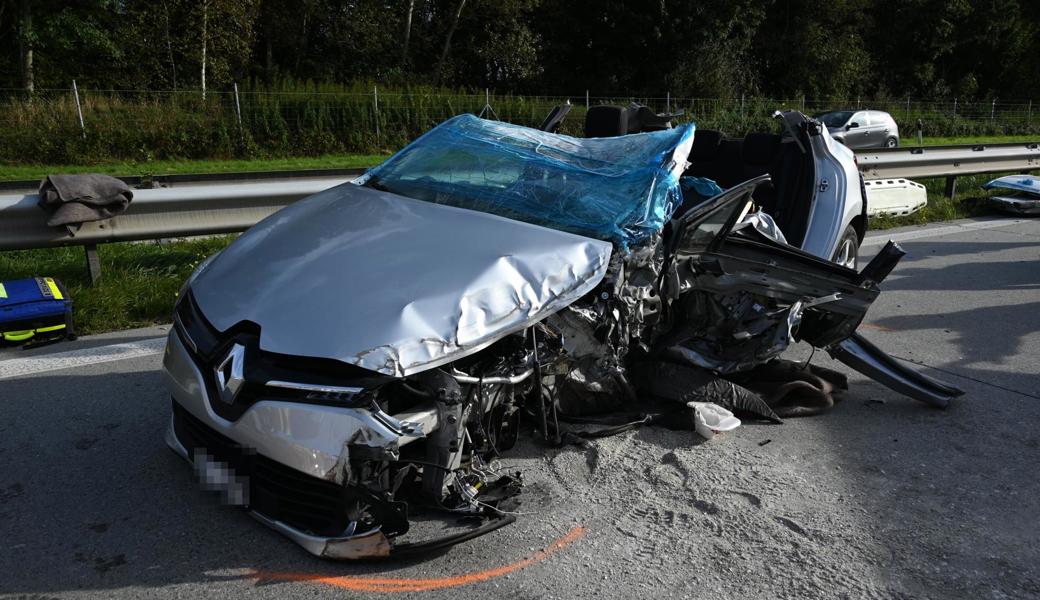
pixel 891 142
pixel 847 252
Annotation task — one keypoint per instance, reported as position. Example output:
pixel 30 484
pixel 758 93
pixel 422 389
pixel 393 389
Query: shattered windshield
pixel 835 119
pixel 619 189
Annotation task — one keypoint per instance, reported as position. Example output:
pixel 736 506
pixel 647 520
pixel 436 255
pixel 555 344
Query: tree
pixel 26 41
pixel 447 41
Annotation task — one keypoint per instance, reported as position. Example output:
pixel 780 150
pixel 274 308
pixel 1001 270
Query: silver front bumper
pixel 312 439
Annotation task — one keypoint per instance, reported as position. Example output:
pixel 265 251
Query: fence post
pixel 238 108
pixel 1029 114
pixel 857 102
pixel 907 108
pixel 955 108
pixel 803 103
pixel 79 109
pixel 741 106
pixel 667 102
pixel 375 109
pixel 586 99
pixel 992 110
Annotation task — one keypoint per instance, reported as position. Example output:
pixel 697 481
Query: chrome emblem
pixel 229 374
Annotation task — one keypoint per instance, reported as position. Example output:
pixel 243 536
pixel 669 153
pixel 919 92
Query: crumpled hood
pixel 392 284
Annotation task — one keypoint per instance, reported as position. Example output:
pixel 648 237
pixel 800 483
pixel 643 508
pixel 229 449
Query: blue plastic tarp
pixel 620 189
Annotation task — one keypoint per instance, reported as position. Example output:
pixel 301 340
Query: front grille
pixel 276 491
pixel 207 347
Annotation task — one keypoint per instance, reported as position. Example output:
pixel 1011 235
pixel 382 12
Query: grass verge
pixel 179 167
pixel 909 139
pixel 139 282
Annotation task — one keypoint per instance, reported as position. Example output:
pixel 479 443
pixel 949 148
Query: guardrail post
pixel 93 263
pixel 951 187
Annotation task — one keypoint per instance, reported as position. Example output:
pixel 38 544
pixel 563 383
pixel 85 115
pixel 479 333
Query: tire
pixel 891 143
pixel 847 252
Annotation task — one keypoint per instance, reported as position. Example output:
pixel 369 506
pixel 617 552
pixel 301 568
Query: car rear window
pixel 835 119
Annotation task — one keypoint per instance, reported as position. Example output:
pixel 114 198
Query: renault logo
pixel 229 374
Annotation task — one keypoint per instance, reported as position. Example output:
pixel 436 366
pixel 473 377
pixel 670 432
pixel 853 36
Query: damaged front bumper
pixel 288 464
pixel 368 544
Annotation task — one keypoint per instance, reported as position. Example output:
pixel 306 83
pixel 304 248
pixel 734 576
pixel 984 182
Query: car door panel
pixel 708 253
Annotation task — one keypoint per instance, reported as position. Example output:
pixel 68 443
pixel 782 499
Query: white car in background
pixel 860 129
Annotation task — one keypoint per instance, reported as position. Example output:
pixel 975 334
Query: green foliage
pixel 287 118
pixel 139 283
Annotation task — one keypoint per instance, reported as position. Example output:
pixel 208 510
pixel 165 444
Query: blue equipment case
pixel 35 310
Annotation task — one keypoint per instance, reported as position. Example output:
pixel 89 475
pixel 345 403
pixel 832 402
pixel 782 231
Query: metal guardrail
pixel 235 202
pixel 25 185
pixel 157 213
pixel 948 161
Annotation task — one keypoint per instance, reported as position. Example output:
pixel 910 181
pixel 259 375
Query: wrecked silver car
pixel 363 357
pixel 1025 196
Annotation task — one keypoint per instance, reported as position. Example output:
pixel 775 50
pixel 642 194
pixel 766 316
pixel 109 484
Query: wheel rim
pixel 846 255
pixel 890 144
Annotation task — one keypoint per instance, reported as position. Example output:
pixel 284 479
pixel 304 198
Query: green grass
pixel 178 167
pixel 909 139
pixel 139 282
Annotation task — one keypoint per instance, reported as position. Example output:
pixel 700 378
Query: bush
pixel 307 119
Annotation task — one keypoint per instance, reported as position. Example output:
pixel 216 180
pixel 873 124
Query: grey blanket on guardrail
pixel 72 200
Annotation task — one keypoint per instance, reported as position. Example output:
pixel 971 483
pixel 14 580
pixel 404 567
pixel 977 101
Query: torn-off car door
pixel 736 296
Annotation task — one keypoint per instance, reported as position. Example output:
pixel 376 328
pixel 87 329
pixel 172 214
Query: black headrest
pixel 705 144
pixel 606 121
pixel 760 148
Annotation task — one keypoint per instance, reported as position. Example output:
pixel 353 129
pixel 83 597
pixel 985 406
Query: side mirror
pixel 851 125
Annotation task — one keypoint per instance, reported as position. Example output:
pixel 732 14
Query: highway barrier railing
pixel 228 203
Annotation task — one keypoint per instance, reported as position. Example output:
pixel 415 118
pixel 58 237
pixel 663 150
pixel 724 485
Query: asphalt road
pixel 881 498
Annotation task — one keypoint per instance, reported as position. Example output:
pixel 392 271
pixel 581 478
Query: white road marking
pixel 880 237
pixel 21 367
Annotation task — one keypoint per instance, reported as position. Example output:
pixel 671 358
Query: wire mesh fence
pixel 84 125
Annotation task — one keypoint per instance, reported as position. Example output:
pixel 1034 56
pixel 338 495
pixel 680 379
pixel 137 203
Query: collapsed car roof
pixel 618 189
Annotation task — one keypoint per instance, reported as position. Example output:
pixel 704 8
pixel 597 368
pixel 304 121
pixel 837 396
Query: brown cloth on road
pixel 72 200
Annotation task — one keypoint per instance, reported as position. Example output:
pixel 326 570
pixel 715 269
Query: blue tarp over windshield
pixel 620 189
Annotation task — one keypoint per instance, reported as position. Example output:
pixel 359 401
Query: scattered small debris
pixel 764 442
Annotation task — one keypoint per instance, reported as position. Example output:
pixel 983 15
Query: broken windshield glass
pixel 620 189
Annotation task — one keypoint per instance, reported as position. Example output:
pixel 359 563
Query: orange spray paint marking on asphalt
pixel 393 585
pixel 876 327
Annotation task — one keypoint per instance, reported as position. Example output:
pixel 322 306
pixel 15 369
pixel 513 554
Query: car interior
pixel 786 158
